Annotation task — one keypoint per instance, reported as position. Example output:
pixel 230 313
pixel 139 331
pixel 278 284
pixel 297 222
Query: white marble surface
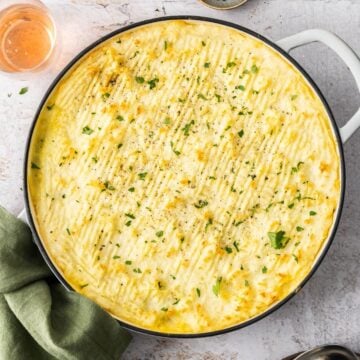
pixel 327 310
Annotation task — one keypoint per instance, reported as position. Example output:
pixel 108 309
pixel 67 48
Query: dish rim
pixel 327 243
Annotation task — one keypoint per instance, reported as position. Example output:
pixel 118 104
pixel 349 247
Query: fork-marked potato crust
pixel 184 176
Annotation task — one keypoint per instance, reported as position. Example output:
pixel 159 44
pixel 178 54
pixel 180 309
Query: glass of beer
pixel 27 36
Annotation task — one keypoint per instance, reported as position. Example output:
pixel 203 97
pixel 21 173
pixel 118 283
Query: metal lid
pixel 223 4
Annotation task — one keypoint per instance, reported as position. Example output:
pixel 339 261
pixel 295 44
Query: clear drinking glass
pixel 27 36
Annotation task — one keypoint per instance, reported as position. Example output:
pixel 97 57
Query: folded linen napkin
pixel 39 318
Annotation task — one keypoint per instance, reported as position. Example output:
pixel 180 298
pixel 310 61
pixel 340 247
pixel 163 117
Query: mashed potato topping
pixel 184 176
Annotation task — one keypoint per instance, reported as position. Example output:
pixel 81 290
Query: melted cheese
pixel 164 165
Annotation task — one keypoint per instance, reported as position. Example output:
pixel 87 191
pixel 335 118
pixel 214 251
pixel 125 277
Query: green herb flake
pixel 264 269
pixel 290 206
pixel 278 240
pixel 116 257
pixel 312 213
pixel 203 43
pixel 23 90
pixel 218 97
pixel 198 292
pixel 167 121
pixel 139 79
pixel 49 107
pixel 176 152
pixel 236 246
pixel 187 127
pixel 176 302
pixel 159 233
pixel 95 159
pixel 164 309
pixel 201 96
pixel 35 166
pixel 216 287
pixel 68 231
pixel 142 176
pixel 207 65
pixel 138 271
pixel 228 249
pixel 240 87
pixel 254 69
pixel 241 133
pixel 108 186
pixel 128 262
pixel 246 283
pixel 132 189
pixel 165 45
pixel 200 204
pixel 120 118
pixel 293 97
pixel 105 96
pixel 128 223
pixel 209 222
pixel 152 83
pixel 295 258
pixel 131 216
pixel 86 130
pixel 83 286
pixel 299 228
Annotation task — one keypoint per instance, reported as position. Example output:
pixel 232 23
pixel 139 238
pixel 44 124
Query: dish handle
pixel 344 51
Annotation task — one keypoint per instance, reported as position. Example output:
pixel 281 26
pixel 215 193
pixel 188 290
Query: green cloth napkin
pixel 39 318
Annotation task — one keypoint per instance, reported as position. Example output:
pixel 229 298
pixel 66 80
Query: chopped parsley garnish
pixel 120 118
pixel 165 45
pixel 216 287
pixel 187 127
pixel 142 176
pixel 203 43
pixel 210 222
pixel 295 258
pixel 167 121
pixel 139 79
pixel 119 146
pixel 290 206
pixel 131 216
pixel 68 231
pixel 23 90
pixel 228 249
pixel 105 96
pixel 278 240
pixel 86 130
pixel 236 246
pixel 108 186
pixel 164 309
pixel 264 270
pixel 296 168
pixel 176 152
pixel 176 301
pixel 116 257
pixel 35 166
pixel 138 271
pixel 293 97
pixel 254 69
pixel 218 97
pixel 241 133
pixel 312 213
pixel 246 282
pixel 200 204
pixel 201 96
pixel 128 262
pixel 159 233
pixel 207 65
pixel 132 189
pixel 299 228
pixel 82 286
pixel 49 107
pixel 152 83
pixel 240 87
pixel 198 292
pixel 128 223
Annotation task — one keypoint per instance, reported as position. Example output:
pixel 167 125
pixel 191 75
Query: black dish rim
pixel 268 42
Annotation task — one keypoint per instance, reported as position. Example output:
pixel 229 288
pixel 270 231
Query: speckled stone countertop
pixel 327 310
